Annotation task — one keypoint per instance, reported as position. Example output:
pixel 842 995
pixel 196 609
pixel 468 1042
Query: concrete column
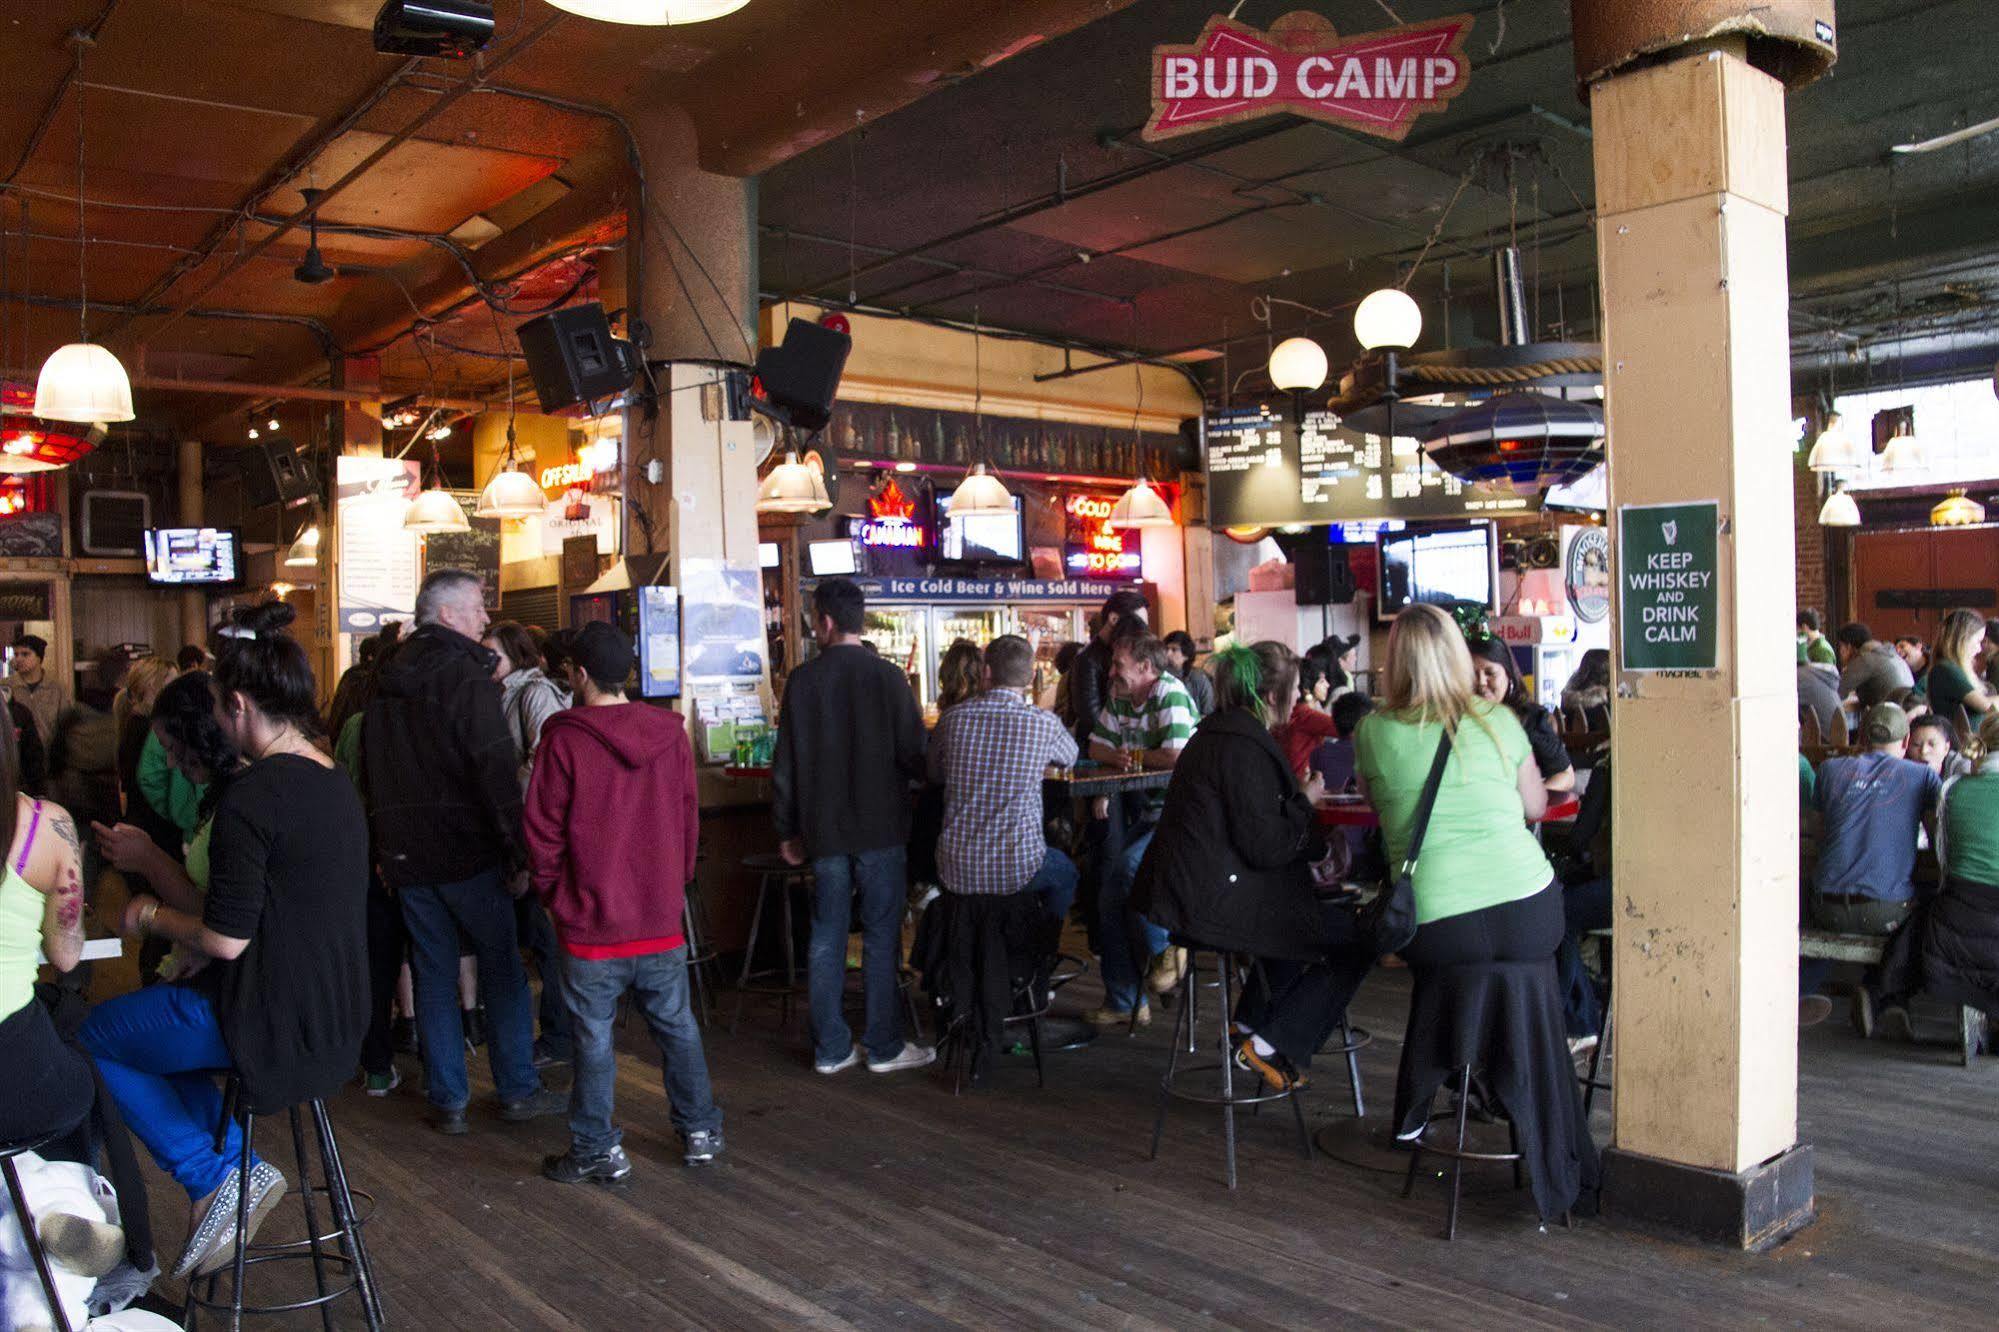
pixel 1691 192
pixel 193 601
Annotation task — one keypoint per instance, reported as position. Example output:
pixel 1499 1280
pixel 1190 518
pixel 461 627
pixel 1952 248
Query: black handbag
pixel 1388 923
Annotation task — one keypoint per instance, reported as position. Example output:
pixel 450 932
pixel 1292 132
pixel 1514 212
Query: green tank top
pixel 21 908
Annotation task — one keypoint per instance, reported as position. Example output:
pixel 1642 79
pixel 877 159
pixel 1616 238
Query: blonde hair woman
pixel 1953 678
pixel 1488 909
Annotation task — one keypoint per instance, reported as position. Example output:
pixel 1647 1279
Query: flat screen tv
pixel 1439 565
pixel 831 559
pixel 999 539
pixel 193 556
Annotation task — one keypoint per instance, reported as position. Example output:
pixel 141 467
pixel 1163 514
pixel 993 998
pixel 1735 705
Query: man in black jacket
pixel 849 738
pixel 444 807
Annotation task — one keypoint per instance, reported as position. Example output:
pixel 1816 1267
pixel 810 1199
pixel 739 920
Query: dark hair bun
pixel 267 618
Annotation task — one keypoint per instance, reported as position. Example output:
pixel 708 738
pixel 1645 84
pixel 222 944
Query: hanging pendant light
pixel 512 493
pixel 436 510
pixel 1835 450
pixel 650 13
pixel 1141 506
pixel 1957 510
pixel 82 382
pixel 1388 319
pixel 981 494
pixel 1298 365
pixel 1902 453
pixel 1839 510
pixel 304 552
pixel 793 487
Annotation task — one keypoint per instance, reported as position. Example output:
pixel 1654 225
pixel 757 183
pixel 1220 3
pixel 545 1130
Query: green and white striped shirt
pixel 1163 719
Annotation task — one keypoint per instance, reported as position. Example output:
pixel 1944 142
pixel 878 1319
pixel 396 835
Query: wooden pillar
pixel 193 601
pixel 1691 192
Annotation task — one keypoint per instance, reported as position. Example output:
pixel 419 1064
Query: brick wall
pixel 1811 542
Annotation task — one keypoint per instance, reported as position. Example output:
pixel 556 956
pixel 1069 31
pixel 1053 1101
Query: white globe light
pixel 1141 506
pixel 981 495
pixel 511 494
pixel 1388 318
pixel 650 13
pixel 1298 365
pixel 83 382
pixel 1839 510
pixel 435 510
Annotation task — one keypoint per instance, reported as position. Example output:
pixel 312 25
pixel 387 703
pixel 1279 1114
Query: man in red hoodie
pixel 612 823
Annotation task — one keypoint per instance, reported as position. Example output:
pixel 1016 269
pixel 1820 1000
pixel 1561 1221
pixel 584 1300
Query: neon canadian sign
pixel 1095 549
pixel 1379 82
pixel 891 521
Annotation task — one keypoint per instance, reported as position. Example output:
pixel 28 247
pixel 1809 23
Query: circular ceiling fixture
pixel 1298 365
pixel 650 13
pixel 1526 440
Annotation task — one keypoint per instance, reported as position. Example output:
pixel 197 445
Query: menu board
pixel 1266 470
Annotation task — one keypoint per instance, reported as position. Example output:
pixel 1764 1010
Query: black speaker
pixel 278 473
pixel 1188 455
pixel 573 357
pixel 1325 578
pixel 452 29
pixel 801 375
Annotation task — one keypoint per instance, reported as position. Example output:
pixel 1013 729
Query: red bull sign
pixel 1379 82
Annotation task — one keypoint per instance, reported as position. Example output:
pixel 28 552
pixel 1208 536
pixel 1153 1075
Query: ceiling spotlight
pixel 439 433
pixel 253 432
pixel 272 424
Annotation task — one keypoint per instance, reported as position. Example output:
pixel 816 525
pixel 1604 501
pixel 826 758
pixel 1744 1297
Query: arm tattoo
pixel 69 901
pixel 65 828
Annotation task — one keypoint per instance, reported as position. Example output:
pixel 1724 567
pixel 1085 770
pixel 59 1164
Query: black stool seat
pixel 1177 1083
pixel 26 1220
pixel 339 1252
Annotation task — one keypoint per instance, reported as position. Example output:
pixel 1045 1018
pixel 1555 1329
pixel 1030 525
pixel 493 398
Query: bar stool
pixel 775 877
pixel 1169 1085
pixel 58 1319
pixel 351 1256
pixel 1457 1154
pixel 701 953
pixel 1350 1040
pixel 1598 1078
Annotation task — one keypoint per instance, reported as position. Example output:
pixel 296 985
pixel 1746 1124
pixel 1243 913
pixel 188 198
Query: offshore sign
pixel 1379 82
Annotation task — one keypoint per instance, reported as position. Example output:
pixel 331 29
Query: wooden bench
pixel 1866 950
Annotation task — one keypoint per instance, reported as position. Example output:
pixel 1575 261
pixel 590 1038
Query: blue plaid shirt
pixel 991 754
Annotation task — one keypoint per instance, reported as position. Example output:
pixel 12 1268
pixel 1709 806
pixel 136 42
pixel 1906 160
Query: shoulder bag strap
pixel 1426 802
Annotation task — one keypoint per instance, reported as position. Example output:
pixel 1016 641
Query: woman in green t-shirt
pixel 1953 679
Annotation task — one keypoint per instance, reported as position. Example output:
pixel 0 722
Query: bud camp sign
pixel 1379 83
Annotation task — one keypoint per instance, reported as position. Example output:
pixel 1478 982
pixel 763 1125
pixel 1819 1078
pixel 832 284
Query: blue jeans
pixel 1056 882
pixel 480 907
pixel 879 881
pixel 158 1049
pixel 1122 931
pixel 591 989
pixel 537 935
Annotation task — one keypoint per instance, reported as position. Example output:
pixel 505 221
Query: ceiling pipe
pixel 359 169
pixel 59 95
pixel 328 342
pixel 946 268
pixel 293 392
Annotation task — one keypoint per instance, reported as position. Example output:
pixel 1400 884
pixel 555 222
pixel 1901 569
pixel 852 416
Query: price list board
pixel 1265 470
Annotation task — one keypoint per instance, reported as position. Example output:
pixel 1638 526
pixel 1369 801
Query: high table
pixel 1087 781
pixel 1354 812
pixel 94 950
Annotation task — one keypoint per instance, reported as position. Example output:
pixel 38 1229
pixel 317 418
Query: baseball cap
pixel 1884 724
pixel 606 655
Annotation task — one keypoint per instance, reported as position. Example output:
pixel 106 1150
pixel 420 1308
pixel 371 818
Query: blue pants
pixel 878 881
pixel 537 935
pixel 1122 931
pixel 1056 882
pixel 482 910
pixel 1585 906
pixel 591 989
pixel 158 1050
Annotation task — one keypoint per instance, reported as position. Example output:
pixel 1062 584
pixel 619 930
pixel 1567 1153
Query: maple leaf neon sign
pixel 1379 82
pixel 891 520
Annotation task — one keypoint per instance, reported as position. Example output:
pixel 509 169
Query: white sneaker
pixel 912 1055
pixel 839 1065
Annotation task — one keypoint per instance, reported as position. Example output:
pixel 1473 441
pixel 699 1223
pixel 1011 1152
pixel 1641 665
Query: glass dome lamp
pixel 304 552
pixel 1298 365
pixel 793 487
pixel 1839 510
pixel 1141 506
pixel 1902 453
pixel 511 494
pixel 650 13
pixel 1835 450
pixel 1388 320
pixel 1957 510
pixel 84 383
pixel 981 495
pixel 436 510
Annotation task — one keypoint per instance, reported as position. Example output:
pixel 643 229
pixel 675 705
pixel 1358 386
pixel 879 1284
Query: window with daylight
pixel 1957 428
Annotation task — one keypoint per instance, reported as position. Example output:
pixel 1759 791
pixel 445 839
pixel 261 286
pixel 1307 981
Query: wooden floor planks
pixel 862 1201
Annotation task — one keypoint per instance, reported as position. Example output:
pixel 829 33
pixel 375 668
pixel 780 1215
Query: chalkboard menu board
pixel 1011 444
pixel 1265 470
